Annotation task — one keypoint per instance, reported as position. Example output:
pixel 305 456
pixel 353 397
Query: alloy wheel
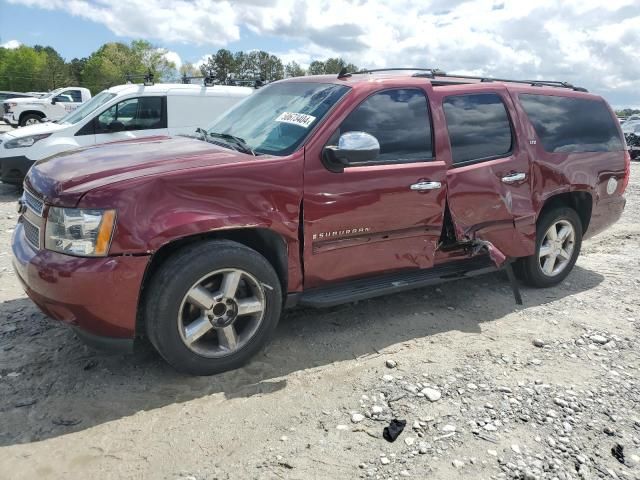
pixel 221 313
pixel 556 248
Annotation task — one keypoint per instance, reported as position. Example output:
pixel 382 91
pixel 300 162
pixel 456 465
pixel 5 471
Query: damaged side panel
pixel 488 213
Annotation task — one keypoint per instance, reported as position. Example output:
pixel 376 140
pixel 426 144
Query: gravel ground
pixel 488 389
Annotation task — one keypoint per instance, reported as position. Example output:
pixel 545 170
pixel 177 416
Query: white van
pixel 119 113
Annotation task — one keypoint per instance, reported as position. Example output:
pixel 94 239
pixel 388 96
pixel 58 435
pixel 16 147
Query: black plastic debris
pixel 618 453
pixel 394 429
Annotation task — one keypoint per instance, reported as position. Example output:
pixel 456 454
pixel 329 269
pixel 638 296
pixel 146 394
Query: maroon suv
pixel 316 191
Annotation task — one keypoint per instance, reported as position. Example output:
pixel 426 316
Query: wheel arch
pixel 266 242
pixel 30 112
pixel 580 201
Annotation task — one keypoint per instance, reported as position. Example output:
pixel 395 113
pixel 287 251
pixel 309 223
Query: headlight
pixel 82 232
pixel 12 104
pixel 25 141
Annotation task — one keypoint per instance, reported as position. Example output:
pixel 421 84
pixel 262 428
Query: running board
pixel 365 288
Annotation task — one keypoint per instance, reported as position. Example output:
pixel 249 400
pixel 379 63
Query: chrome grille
pixel 31 233
pixel 33 203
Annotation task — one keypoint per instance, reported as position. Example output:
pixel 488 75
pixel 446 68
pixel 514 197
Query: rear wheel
pixel 30 119
pixel 558 242
pixel 212 306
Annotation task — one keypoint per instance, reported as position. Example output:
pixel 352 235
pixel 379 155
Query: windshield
pixel 278 117
pixel 80 113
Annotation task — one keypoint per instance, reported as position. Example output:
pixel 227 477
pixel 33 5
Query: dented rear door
pixel 489 177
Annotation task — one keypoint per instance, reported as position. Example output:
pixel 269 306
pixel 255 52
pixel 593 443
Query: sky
pixel 590 43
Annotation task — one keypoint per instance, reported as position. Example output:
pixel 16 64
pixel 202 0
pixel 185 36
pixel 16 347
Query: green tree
pixel 110 65
pixel 153 60
pixel 316 68
pixel 22 69
pixel 293 69
pixel 55 71
pixel 334 65
pixel 76 66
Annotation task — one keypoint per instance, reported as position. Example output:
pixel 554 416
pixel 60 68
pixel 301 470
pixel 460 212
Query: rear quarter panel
pixel 557 173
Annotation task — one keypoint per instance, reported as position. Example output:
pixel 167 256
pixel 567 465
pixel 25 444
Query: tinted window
pixel 74 95
pixel 478 127
pixel 142 113
pixel 571 124
pixel 399 119
pixel 68 96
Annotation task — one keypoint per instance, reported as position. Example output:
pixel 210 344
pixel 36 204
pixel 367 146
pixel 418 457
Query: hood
pixel 26 100
pixel 36 129
pixel 64 178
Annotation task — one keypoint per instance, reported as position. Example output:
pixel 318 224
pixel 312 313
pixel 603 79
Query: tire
pixel 29 119
pixel 200 274
pixel 530 269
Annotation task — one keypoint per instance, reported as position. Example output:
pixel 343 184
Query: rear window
pixel 479 127
pixel 569 125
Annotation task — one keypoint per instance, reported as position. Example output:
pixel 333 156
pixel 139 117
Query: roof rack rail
pixel 436 72
pixel 147 78
pixel 432 71
pixel 533 83
pixel 209 80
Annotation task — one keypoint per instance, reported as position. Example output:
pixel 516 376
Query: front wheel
pixel 212 306
pixel 558 242
pixel 30 119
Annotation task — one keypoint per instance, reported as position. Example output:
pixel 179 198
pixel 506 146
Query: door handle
pixel 514 177
pixel 425 185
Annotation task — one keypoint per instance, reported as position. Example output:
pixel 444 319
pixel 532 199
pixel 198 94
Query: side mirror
pixel 115 126
pixel 353 148
pixel 54 100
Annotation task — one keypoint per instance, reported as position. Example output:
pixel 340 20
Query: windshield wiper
pixel 236 143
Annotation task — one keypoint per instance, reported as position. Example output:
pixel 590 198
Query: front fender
pixel 153 211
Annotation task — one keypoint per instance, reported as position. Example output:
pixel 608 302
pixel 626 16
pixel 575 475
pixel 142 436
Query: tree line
pixel 225 65
pixel 41 68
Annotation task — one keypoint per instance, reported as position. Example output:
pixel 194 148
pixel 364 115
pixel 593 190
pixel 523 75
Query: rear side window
pixel 566 125
pixel 399 119
pixel 479 127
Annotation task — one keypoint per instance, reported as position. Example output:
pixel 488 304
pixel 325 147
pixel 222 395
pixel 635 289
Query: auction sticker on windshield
pixel 301 119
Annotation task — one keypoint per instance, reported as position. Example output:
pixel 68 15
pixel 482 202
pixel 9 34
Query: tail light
pixel 627 171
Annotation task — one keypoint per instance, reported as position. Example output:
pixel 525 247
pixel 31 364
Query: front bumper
pixel 605 213
pixel 14 169
pixel 8 118
pixel 97 296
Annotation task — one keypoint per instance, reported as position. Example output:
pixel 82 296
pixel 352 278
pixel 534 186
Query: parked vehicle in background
pixel 52 106
pixel 9 95
pixel 316 191
pixel 631 130
pixel 120 113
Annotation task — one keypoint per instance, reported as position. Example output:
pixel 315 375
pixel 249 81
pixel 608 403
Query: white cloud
pixel 172 57
pixel 593 43
pixel 11 44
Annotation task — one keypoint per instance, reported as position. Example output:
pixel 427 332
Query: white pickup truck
pixel 52 106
